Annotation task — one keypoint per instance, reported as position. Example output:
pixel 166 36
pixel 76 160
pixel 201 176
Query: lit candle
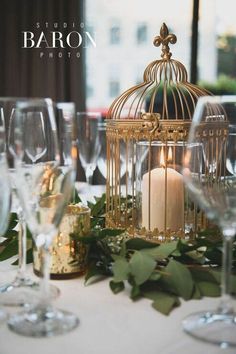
pixel 163 190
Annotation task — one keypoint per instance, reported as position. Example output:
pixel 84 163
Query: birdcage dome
pixel 165 88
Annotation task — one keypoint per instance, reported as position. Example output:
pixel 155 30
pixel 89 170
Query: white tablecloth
pixel 110 324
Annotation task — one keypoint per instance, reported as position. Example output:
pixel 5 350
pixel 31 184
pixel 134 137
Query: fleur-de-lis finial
pixel 165 38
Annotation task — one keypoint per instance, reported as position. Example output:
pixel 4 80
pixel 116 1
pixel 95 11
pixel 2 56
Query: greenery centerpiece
pixel 164 273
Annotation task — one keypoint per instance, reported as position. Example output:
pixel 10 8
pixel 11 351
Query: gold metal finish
pixel 165 38
pixel 157 111
pixel 68 256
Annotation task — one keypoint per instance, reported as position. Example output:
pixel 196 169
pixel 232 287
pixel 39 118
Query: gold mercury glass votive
pixel 68 255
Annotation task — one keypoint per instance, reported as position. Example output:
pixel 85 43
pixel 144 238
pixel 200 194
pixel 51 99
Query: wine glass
pixel 5 191
pixel 23 289
pixel 210 175
pixel 2 132
pixel 88 141
pixel 45 188
pixel 34 139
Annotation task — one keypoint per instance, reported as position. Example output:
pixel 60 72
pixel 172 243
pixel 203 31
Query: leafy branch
pixel 164 273
pixel 9 245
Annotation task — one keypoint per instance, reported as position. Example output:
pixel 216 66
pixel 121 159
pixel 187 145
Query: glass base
pixel 42 322
pixel 23 292
pixel 212 327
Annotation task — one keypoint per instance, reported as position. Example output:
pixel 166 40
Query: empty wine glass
pixel 231 142
pixel 34 139
pixel 5 192
pixel 209 172
pixel 21 290
pixel 88 141
pixel 45 190
pixel 101 162
pixel 2 132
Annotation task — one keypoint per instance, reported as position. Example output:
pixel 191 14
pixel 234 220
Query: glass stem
pixel 89 174
pixel 226 306
pixel 45 272
pixel 22 245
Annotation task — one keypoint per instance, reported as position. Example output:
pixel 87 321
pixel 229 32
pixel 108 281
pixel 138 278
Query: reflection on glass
pixel 213 185
pixel 5 194
pixel 45 190
pixel 35 140
pixel 88 141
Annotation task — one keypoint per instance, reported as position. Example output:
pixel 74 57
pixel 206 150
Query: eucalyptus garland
pixel 164 273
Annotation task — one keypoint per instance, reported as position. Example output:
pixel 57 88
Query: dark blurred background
pixel 22 71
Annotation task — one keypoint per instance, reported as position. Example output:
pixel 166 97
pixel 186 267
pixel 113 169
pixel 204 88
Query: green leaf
pixel 94 273
pixel 110 232
pixel 90 205
pixel 139 244
pixel 123 249
pixel 197 256
pixel 10 250
pixel 99 207
pixel 217 276
pixel 196 293
pixel 75 197
pixel 121 270
pixel 165 305
pixel 96 235
pixel 179 278
pixel 11 234
pixel 161 252
pixel 183 246
pixel 176 253
pixel 155 276
pixel 28 234
pixel 135 292
pixel 205 274
pixel 168 248
pixel 154 253
pixel 141 267
pixel 209 289
pixel 162 302
pixel 214 255
pixel 29 257
pixel 116 287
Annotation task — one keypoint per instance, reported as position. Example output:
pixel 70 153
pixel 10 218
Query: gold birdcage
pixel 147 129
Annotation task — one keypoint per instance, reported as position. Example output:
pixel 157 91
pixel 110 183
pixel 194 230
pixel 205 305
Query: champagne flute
pixel 88 141
pixel 45 189
pixel 34 139
pixel 210 175
pixel 2 132
pixel 21 290
pixel 5 191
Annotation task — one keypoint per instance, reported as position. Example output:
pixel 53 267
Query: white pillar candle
pixel 174 187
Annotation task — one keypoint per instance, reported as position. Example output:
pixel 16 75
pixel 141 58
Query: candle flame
pixel 163 163
pixel 162 158
pixel 170 154
pixel 74 152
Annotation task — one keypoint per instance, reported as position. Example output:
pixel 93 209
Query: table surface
pixel 110 324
